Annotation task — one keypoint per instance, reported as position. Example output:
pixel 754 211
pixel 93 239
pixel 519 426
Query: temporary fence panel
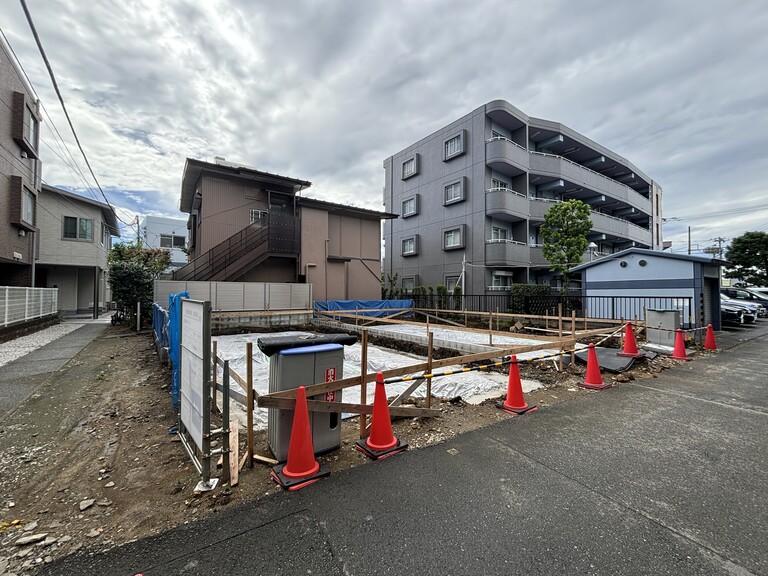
pixel 372 308
pixel 174 329
pixel 235 296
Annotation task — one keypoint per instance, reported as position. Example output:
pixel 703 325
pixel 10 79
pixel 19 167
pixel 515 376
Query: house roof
pixel 650 253
pixel 194 168
pixel 345 209
pixel 110 217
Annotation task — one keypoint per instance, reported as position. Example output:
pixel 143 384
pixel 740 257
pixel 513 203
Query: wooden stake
pixel 234 452
pixel 249 400
pixel 363 381
pixel 490 328
pixel 573 335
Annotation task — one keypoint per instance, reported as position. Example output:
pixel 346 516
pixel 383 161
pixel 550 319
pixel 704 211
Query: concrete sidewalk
pixel 660 476
pixel 19 378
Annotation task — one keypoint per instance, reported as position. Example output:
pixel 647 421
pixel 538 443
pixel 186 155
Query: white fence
pixel 20 304
pixel 232 296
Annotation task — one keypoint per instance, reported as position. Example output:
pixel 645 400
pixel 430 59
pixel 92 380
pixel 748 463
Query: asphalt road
pixel 659 476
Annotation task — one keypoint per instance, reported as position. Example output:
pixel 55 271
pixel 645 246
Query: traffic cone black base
pixel 379 454
pixel 293 484
pixel 515 411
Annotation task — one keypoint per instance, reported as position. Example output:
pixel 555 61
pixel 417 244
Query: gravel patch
pixel 10 351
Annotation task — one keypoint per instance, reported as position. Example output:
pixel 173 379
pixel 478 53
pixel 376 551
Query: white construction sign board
pixel 195 355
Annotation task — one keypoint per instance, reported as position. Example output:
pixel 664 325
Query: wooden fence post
pixel 249 401
pixel 363 380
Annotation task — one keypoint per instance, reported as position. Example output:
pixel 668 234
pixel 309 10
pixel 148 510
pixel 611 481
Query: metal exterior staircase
pixel 271 235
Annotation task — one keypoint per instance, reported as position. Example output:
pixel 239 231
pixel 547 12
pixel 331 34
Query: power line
pixel 61 100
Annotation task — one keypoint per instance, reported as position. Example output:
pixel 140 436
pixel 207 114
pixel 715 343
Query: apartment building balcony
pixel 505 156
pixel 539 207
pixel 506 253
pixel 610 225
pixel 559 167
pixel 505 202
pixel 537 256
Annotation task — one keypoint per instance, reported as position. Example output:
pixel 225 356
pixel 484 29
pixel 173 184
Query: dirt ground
pixel 87 463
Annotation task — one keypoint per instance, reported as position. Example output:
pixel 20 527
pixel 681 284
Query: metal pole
pixel 429 370
pixel 215 373
pixel 138 316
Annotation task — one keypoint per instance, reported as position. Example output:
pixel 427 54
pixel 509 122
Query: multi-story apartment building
pixel 20 170
pixel 168 233
pixel 472 197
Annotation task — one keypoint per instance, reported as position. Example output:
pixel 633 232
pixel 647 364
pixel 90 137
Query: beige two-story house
pixel 75 236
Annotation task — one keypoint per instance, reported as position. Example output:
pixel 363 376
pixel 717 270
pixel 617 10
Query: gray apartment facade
pixel 472 197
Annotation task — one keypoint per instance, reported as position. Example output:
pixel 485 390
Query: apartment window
pixel 451 282
pixel 501 282
pixel 409 246
pixel 410 167
pixel 454 146
pixel 410 207
pixel 25 124
pixel 171 241
pixel 78 228
pixel 28 207
pixel 103 233
pixel 454 192
pixel 258 216
pixel 499 234
pixel 31 126
pixel 409 283
pixel 453 238
pixel 496 183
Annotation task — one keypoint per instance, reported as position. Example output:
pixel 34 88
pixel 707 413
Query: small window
pixel 78 228
pixel 409 246
pixel 70 227
pixel 31 126
pixel 499 234
pixel 499 184
pixel 410 207
pixel 409 283
pixel 85 229
pixel 410 167
pixel 453 238
pixel 28 207
pixel 179 241
pixel 454 192
pixel 259 216
pixel 103 233
pixel 454 146
pixel 451 282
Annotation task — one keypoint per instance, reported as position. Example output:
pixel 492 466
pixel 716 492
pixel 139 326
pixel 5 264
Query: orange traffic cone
pixel 381 442
pixel 301 469
pixel 515 402
pixel 709 341
pixel 630 345
pixel 593 380
pixel 679 351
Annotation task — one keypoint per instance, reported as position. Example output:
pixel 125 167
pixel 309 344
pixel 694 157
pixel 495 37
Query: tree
pixel 132 271
pixel 748 256
pixel 564 233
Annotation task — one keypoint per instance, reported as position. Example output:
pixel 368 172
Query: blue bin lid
pixel 310 349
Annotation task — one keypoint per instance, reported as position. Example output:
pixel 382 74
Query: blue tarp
pixel 174 339
pixel 373 308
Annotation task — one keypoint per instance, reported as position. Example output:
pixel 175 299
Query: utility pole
pixel 689 240
pixel 720 241
pixel 138 232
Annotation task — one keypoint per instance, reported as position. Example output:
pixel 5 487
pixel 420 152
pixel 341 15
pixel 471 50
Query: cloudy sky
pixel 326 90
